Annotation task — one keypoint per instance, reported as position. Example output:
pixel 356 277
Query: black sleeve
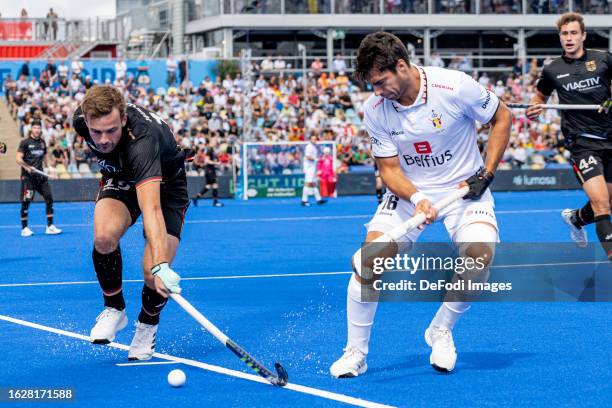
pixel 545 83
pixel 144 160
pixel 78 123
pixel 609 63
pixel 22 146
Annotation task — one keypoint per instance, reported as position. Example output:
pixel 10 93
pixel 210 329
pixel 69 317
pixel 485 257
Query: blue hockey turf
pixel 272 275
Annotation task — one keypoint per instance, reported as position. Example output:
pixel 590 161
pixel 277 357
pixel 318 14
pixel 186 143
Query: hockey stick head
pixel 281 376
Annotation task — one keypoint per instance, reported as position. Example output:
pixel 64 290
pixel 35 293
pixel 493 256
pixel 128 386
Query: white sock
pixel 316 193
pixel 360 317
pixel 448 314
pixel 305 193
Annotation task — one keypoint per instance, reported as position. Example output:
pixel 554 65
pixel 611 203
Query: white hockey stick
pixel 553 106
pixel 42 173
pixel 414 222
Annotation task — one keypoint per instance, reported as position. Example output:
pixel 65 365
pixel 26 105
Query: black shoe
pixel 305 204
pixel 321 202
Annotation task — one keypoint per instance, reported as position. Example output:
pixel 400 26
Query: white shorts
pixel 310 175
pixel 393 211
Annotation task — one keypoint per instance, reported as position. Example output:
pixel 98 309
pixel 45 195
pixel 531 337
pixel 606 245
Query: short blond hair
pixel 570 18
pixel 100 101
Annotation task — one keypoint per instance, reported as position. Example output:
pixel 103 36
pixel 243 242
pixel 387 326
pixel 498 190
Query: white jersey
pixel 310 151
pixel 435 137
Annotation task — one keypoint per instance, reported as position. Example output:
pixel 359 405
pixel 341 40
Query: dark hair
pixel 381 51
pixel 100 100
pixel 570 18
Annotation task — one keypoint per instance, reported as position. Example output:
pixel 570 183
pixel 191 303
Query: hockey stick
pixel 279 379
pixel 42 173
pixel 553 106
pixel 414 222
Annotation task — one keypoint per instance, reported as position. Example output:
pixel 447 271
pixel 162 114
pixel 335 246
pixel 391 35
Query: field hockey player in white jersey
pixel 421 121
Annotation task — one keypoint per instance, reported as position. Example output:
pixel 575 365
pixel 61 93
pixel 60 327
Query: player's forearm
pixel 155 231
pixel 20 162
pixel 149 202
pixel 498 139
pixel 396 181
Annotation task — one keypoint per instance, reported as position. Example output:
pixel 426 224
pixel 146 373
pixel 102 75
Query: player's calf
pixel 603 226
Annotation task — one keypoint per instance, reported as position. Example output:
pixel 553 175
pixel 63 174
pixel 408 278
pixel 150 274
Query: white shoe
pixel 143 343
pixel 108 323
pixel 26 232
pixel 443 353
pixel 53 230
pixel 351 364
pixel 579 235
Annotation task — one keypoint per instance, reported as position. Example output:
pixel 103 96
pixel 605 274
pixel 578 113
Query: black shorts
pixel 590 158
pixel 174 200
pixel 210 176
pixel 32 184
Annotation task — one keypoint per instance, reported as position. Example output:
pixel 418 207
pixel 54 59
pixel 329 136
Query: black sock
pixel 215 194
pixel 24 214
pixel 583 216
pixel 109 270
pixel 49 212
pixel 152 305
pixel 603 226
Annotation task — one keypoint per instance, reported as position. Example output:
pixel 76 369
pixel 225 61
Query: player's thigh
pixel 472 226
pixel 592 167
pixel 310 177
pixel 44 189
pixel 391 213
pixel 111 219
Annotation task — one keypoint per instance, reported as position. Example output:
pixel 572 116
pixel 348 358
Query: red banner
pixel 15 30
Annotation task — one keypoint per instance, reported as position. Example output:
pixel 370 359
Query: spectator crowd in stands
pixel 274 107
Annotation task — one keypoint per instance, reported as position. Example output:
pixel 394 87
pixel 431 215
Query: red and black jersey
pixel 584 80
pixel 34 151
pixel 146 151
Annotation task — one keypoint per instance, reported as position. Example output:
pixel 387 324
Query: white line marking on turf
pixel 282 275
pixel 216 369
pixel 145 363
pixel 277 219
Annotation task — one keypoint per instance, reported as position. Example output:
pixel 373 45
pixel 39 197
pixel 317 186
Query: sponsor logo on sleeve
pixel 375 141
pixel 486 102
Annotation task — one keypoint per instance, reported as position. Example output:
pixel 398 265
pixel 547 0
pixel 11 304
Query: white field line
pixel 284 275
pixel 276 219
pixel 280 275
pixel 145 363
pixel 209 367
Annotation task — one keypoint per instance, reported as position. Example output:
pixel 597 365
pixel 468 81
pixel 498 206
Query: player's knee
pixel 105 242
pixel 477 241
